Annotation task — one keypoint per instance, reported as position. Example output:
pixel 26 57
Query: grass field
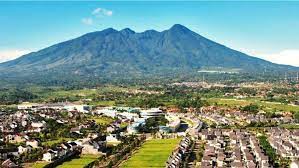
pixel 38 165
pixel 289 126
pixel 79 162
pixel 266 106
pixel 153 153
pixel 102 120
pixel 56 141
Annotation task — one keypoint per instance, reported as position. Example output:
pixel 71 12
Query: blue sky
pixel 269 30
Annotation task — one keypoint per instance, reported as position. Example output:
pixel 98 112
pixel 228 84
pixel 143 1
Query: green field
pixel 79 162
pixel 102 120
pixel 153 153
pixel 38 165
pixel 56 141
pixel 266 106
pixel 289 126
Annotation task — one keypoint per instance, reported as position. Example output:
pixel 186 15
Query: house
pixel 112 139
pixel 49 156
pixel 8 152
pixel 66 146
pixel 41 124
pixel 15 138
pixel 294 164
pixel 24 149
pixel 33 143
pixel 76 130
pixel 9 164
pixel 92 147
pixel 74 146
pixel 60 151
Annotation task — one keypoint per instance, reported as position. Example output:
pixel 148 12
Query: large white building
pixel 80 108
pixel 174 122
pixel 107 112
pixel 153 112
pixel 28 106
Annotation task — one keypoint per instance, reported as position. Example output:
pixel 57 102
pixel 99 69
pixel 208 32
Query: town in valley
pixel 201 125
pixel 149 84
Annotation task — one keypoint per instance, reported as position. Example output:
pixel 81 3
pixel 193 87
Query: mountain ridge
pixel 125 52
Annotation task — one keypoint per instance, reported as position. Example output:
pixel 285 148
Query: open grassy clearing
pixel 266 106
pixel 79 162
pixel 37 165
pixel 153 153
pixel 289 126
pixel 102 120
pixel 103 103
pixel 54 92
pixel 56 141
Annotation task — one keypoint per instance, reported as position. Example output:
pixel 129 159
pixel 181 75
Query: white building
pixel 33 143
pixel 24 149
pixel 107 112
pixel 128 115
pixel 81 108
pixel 294 164
pixel 174 122
pixel 112 139
pixel 38 124
pixel 153 112
pixel 28 106
pixel 49 156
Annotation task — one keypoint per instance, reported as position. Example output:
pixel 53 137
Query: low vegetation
pixel 153 153
pixel 80 162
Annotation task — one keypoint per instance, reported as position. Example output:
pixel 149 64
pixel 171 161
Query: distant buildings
pixel 55 106
pixel 28 106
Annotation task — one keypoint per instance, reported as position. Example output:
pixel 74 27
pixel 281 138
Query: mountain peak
pixel 179 27
pixel 127 31
pixel 109 30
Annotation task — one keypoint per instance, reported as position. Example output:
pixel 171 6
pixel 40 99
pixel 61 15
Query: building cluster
pixel 91 145
pixel 55 106
pixel 60 151
pixel 138 117
pixel 31 120
pixel 232 148
pixel 21 129
pixel 284 141
pixel 232 116
pixel 195 124
pixel 177 156
pixel 217 118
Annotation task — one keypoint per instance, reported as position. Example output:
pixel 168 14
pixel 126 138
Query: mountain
pixel 110 53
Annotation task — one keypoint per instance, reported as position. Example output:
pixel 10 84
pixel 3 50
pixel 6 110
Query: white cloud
pixel 100 12
pixel 96 13
pixel 87 21
pixel 6 55
pixel 287 57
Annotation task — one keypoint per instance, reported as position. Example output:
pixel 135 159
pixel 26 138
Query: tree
pixel 296 116
pixel 252 108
